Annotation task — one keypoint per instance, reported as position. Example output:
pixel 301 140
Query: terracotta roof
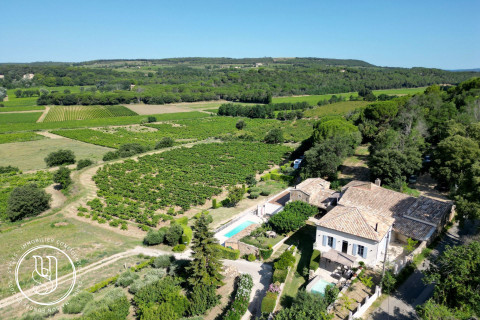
pixel 353 221
pixel 318 190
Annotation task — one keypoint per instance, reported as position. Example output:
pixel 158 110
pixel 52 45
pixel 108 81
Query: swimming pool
pixel 319 286
pixel 238 228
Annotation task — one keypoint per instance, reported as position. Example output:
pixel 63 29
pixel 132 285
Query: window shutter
pixel 365 249
pixel 334 243
pixel 324 241
pixel 354 250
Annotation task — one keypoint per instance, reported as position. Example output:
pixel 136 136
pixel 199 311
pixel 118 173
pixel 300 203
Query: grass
pixel 19 137
pixel 20 102
pixel 27 117
pixel 14 109
pixel 262 242
pixel 303 239
pixel 66 113
pixel 30 155
pixel 313 99
pixel 102 122
pixel 339 108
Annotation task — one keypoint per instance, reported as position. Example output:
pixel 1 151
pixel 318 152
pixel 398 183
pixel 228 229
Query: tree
pixel 62 177
pixel 84 163
pixel 174 234
pixel 434 311
pixel 364 92
pixel 165 142
pixel 292 217
pixel 388 282
pixel 334 126
pixel 26 201
pixel 130 149
pixel 235 195
pixel 250 180
pixel 60 157
pixel 3 93
pixel 206 266
pixel 393 166
pixel 240 125
pixel 305 306
pixel 274 136
pixel 202 298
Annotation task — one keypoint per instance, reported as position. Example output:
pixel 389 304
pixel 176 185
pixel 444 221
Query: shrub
pixel 251 257
pixel 274 136
pixel 8 169
pixel 154 237
pixel 269 302
pixel 182 221
pixel 280 275
pixel 60 157
pixel 102 284
pixel 285 261
pixel 77 302
pixel 315 260
pixel 240 302
pixel 151 119
pixel 240 124
pixel 174 234
pixel 388 282
pixel 163 261
pixel 62 177
pixel 202 298
pixel 292 217
pixel 254 195
pixel 265 192
pixel 84 163
pixel 114 305
pixel 111 155
pixel 250 180
pixel 228 253
pixel 26 201
pixel 266 253
pixel 130 149
pixel 165 142
pixel 179 248
pixel 126 279
pixel 331 294
pixel 187 235
pixel 214 204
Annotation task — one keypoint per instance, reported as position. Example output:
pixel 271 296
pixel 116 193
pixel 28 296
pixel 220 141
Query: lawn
pixel 339 108
pixel 30 155
pixel 303 239
pixel 27 117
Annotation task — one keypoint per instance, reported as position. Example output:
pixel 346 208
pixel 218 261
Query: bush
pixel 266 253
pixel 113 306
pixel 130 149
pixel 163 261
pixel 285 260
pixel 165 142
pixel 269 302
pixel 254 195
pixel 8 169
pixel 388 282
pixel 265 192
pixel 228 253
pixel 182 221
pixel 179 248
pixel 292 217
pixel 187 235
pixel 151 119
pixel 274 136
pixel 62 177
pixel 102 284
pixel 315 260
pixel 77 302
pixel 280 275
pixel 154 237
pixel 331 294
pixel 240 302
pixel 202 298
pixel 60 157
pixel 240 124
pixel 84 163
pixel 126 279
pixel 251 257
pixel 26 201
pixel 111 155
pixel 174 234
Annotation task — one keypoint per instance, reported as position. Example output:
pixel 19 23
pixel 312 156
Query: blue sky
pixel 442 34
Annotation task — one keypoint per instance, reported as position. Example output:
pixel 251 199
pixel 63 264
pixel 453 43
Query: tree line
pixel 259 111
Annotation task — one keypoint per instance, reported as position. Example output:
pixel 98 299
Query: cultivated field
pixel 30 155
pixel 21 109
pixel 174 107
pixel 19 137
pixel 66 113
pixel 23 117
pixel 339 108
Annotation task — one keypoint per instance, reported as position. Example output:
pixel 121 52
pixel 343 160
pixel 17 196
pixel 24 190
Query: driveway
pixel 413 292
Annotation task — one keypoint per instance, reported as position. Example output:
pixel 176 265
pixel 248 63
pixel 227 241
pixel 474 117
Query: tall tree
pixel 206 265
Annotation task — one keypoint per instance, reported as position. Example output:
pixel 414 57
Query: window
pixel 330 241
pixel 361 250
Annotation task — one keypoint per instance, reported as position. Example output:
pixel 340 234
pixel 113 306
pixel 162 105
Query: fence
pixel 367 302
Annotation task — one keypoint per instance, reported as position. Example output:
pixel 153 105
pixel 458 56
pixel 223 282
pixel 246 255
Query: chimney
pixel 378 182
pixel 376 226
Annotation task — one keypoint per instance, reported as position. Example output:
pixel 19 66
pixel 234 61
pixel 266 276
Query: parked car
pixel 412 179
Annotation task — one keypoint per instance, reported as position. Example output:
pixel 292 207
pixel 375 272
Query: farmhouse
pixel 367 217
pixel 28 76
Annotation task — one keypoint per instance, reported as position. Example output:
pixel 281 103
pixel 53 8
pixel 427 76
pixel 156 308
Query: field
pixel 8 182
pixel 178 178
pixel 339 108
pixel 19 137
pixel 30 155
pixel 66 113
pixel 16 109
pixel 101 122
pixel 199 129
pixel 313 99
pixel 23 117
pixel 174 107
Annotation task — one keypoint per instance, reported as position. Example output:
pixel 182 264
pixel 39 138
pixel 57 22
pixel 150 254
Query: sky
pixel 440 34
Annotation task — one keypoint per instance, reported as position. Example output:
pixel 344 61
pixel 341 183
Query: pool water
pixel 238 228
pixel 320 285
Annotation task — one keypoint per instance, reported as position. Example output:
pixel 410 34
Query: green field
pixel 101 122
pixel 15 109
pixel 339 108
pixel 313 99
pixel 67 113
pixel 19 137
pixel 24 117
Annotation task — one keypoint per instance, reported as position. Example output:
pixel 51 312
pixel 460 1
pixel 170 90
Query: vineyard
pixel 66 113
pixel 181 178
pixel 8 182
pixel 198 129
pixel 19 137
pixel 19 118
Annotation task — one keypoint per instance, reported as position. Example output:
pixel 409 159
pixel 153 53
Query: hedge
pixel 280 275
pixel 315 260
pixel 269 302
pixel 266 253
pixel 187 235
pixel 241 300
pixel 228 253
pixel 102 284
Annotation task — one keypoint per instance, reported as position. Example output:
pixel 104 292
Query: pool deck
pixel 221 236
